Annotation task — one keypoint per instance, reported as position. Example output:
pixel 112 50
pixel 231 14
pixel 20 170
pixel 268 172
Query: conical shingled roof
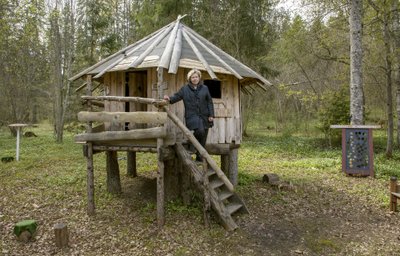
pixel 173 46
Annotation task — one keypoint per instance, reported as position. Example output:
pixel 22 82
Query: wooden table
pixel 357 149
pixel 18 127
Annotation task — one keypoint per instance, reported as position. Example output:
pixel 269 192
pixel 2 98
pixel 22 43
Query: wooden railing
pixel 122 117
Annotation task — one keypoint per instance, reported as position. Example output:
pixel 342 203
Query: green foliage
pixel 29 225
pixel 178 206
pixel 335 110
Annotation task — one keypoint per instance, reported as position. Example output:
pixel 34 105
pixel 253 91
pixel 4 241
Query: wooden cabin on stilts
pixel 135 118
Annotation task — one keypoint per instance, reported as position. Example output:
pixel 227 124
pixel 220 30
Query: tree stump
pixel 61 235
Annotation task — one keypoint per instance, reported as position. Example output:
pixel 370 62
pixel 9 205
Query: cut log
pixel 271 178
pixel 25 236
pixel 61 235
pixel 150 133
pixel 122 117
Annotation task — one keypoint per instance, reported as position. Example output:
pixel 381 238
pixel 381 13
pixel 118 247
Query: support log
pixel 136 148
pixel 160 188
pixel 233 166
pixel 90 180
pixel 89 157
pixel 61 235
pixel 218 149
pixel 113 178
pixel 131 164
pixel 393 198
pixel 206 196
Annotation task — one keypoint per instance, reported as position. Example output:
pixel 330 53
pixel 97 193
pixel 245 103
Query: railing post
pixel 393 189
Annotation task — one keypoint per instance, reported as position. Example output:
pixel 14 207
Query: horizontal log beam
pixel 124 148
pixel 122 117
pixel 150 101
pixel 220 149
pixel 150 133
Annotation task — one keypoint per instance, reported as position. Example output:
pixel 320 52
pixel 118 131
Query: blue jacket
pixel 198 105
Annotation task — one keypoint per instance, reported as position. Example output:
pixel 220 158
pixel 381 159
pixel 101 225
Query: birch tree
pixel 396 32
pixel 356 54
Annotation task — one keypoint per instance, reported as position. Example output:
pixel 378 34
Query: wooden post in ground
pixel 160 186
pixel 185 185
pixel 393 198
pixel 233 166
pixel 90 180
pixel 113 179
pixel 89 157
pixel 61 235
pixel 131 164
pixel 225 164
pixel 229 165
pixel 207 203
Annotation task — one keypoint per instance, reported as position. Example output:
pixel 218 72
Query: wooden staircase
pixel 224 202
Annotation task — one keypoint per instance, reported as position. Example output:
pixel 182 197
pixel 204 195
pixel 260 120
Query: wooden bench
pixel 394 193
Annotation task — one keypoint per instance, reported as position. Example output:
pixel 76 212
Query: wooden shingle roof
pixel 173 46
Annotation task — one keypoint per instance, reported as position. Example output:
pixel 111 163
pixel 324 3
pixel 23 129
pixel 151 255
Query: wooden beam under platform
pixel 221 149
pixel 165 153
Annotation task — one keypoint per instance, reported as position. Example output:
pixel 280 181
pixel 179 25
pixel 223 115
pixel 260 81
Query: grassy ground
pixel 322 212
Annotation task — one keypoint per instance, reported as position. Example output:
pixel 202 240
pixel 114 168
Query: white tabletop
pixel 367 126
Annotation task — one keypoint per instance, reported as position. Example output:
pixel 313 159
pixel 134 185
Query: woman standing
pixel 199 109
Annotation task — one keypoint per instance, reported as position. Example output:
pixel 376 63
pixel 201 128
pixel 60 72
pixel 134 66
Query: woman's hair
pixel 192 72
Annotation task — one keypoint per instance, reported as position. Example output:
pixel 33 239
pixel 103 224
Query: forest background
pixel 303 49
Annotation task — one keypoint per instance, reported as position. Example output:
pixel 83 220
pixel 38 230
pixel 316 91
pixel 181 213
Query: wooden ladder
pixel 224 202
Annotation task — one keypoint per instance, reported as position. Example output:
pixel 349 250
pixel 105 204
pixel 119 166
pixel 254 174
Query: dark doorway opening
pixel 214 86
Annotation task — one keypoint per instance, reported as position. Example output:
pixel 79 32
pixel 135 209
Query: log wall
pixel 227 124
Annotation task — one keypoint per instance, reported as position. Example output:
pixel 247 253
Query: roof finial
pixel 180 17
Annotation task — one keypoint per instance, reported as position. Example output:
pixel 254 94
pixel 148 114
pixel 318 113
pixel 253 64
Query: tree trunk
pixel 356 81
pixel 396 32
pixel 57 75
pixel 388 63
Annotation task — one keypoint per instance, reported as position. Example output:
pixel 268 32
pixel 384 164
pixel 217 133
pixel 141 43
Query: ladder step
pixel 216 183
pixel 233 207
pixel 224 195
pixel 210 172
pixel 396 194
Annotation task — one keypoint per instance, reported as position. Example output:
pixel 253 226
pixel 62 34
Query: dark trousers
pixel 201 136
